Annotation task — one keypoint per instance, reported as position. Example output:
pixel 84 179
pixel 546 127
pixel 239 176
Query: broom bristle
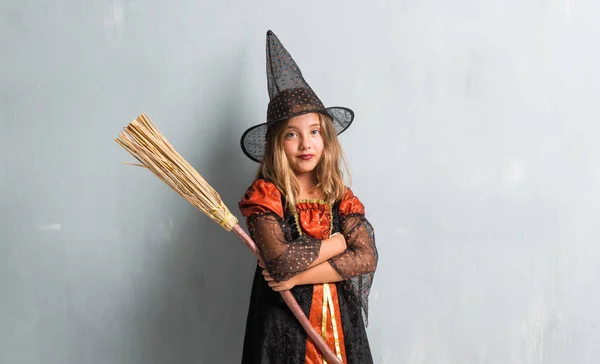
pixel 142 139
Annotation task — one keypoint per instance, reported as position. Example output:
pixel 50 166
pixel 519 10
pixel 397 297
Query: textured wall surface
pixel 475 151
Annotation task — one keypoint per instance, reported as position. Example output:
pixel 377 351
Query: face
pixel 303 143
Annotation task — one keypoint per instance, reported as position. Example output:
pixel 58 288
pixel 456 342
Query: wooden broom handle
pixel 291 303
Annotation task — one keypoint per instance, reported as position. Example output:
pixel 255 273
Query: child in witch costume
pixel 310 228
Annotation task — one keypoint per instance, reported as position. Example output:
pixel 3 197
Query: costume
pixel 289 243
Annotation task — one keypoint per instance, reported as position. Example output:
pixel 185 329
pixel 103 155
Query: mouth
pixel 306 156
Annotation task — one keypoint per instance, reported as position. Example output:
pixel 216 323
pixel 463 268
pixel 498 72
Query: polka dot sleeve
pixel 284 256
pixel 358 263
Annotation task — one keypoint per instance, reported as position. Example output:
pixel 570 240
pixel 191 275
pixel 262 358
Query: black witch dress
pixel 289 243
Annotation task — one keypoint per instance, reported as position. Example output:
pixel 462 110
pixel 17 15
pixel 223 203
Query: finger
pixel 267 278
pixel 265 272
pixel 260 264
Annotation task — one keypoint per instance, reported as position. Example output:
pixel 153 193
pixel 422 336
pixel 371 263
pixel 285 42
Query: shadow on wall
pixel 199 305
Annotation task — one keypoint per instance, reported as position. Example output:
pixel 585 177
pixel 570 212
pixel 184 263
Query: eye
pixel 290 134
pixel 315 132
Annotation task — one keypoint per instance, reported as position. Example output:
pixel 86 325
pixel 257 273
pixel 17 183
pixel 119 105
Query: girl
pixel 310 228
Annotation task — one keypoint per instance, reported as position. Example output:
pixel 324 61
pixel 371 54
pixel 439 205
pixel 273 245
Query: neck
pixel 308 185
pixel 306 180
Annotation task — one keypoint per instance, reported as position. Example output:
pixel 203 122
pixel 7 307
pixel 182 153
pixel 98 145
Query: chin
pixel 305 169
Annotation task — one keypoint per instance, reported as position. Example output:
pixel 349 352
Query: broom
pixel 146 143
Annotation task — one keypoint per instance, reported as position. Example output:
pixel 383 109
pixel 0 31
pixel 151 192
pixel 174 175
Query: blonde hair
pixel 276 169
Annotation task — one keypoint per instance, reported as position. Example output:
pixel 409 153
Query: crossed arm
pixel 321 273
pixel 311 261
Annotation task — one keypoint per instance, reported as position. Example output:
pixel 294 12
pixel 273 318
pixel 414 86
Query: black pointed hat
pixel 289 96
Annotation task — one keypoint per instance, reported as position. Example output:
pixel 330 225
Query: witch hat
pixel 290 95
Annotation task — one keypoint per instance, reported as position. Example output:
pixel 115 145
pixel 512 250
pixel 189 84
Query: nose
pixel 304 143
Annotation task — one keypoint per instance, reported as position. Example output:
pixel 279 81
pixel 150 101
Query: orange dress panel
pixel 314 218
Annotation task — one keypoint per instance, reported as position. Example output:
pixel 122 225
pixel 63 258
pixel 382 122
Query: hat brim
pixel 253 140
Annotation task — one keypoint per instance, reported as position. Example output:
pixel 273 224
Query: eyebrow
pixel 310 126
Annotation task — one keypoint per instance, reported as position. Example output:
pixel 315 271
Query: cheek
pixel 320 144
pixel 288 147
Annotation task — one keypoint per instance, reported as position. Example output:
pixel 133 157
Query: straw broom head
pixel 142 139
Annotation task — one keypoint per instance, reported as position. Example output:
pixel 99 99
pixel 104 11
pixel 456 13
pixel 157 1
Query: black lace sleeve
pixel 358 263
pixel 360 257
pixel 284 256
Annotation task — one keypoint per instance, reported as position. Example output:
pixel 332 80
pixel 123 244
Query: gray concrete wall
pixel 475 150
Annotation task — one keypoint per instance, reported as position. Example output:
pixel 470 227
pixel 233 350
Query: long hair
pixel 276 169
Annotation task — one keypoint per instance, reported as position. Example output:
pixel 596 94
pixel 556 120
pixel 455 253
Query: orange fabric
pixel 350 204
pixel 315 220
pixel 313 355
pixel 261 197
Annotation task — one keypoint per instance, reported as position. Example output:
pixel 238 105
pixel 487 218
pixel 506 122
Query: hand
pixel 342 238
pixel 281 286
